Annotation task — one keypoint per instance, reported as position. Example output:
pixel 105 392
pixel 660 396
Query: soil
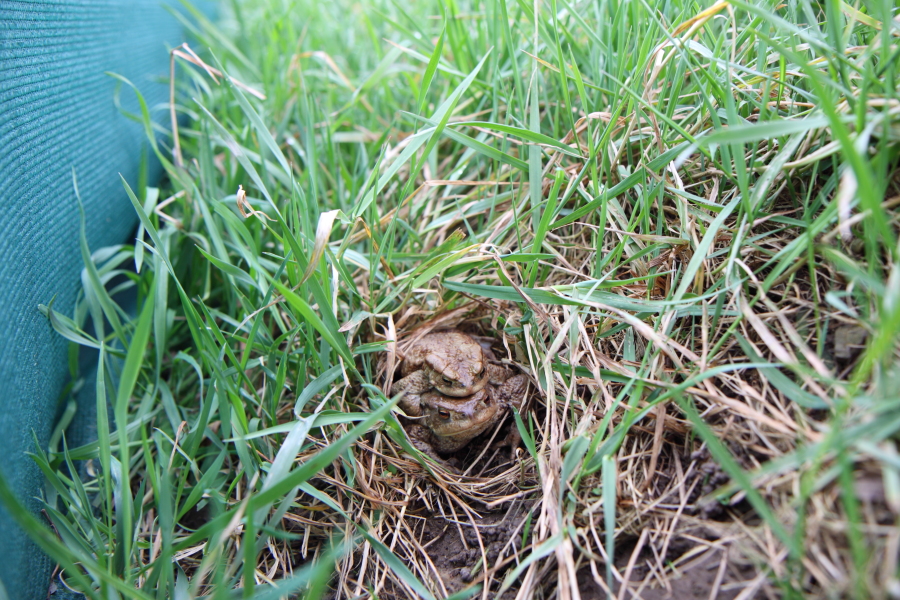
pixel 455 552
pixel 454 560
pixel 697 582
pixel 457 557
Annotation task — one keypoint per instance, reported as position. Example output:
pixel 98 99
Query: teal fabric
pixel 58 112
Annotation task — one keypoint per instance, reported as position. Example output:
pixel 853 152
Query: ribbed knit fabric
pixel 58 113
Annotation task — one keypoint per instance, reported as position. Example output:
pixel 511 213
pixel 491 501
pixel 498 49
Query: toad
pixel 448 423
pixel 450 362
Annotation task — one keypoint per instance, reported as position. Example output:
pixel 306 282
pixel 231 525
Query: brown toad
pixel 447 423
pixel 451 362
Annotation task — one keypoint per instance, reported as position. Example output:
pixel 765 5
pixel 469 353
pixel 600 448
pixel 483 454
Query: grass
pixel 679 220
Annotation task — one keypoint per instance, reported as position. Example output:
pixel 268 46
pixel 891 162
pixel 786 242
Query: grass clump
pixel 679 220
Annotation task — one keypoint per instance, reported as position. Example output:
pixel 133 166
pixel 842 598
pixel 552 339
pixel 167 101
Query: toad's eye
pixel 444 414
pixel 447 380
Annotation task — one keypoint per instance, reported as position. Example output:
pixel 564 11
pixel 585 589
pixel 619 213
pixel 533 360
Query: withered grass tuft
pixel 679 220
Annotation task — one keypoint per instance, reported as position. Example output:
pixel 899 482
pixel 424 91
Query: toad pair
pixel 453 392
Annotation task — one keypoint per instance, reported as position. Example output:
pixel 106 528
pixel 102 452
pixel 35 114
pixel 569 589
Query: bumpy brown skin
pixel 449 423
pixel 450 362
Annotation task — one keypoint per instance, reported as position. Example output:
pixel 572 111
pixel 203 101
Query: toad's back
pixel 442 351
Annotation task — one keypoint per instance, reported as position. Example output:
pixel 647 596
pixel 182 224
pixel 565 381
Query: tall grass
pixel 679 219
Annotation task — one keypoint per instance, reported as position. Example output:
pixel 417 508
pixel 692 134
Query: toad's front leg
pixel 423 440
pixel 415 384
pixel 512 391
pixel 497 375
